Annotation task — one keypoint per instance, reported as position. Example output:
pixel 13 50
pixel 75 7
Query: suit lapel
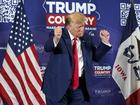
pixel 67 41
pixel 83 42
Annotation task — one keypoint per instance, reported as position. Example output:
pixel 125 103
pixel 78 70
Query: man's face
pixel 77 29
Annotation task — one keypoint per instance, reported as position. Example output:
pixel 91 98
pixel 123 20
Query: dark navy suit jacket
pixel 58 75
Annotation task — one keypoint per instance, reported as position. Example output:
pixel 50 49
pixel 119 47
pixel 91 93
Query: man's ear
pixel 68 27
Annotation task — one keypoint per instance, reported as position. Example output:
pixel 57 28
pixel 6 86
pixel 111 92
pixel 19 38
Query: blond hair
pixel 75 17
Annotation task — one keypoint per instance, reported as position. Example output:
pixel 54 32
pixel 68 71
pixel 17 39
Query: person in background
pixel 66 79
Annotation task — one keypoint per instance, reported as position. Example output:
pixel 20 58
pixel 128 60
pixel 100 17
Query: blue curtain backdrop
pixel 110 15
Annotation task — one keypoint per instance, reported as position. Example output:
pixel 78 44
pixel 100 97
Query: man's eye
pixel 81 27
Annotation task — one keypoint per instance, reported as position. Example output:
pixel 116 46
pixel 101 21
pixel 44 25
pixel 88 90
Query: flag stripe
pixel 31 56
pixel 33 98
pixel 31 78
pixel 19 78
pixel 4 89
pixel 28 77
pixel 1 100
pixel 12 86
pixel 35 53
pixel 16 78
pixel 32 64
pixel 30 73
pixel 133 99
pixel 22 72
pixel 26 74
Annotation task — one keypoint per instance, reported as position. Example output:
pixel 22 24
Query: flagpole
pixel 22 1
pixel 132 1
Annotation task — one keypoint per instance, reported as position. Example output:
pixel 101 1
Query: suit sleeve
pixel 99 52
pixel 49 45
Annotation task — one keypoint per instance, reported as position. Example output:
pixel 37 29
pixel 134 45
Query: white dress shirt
pixel 80 55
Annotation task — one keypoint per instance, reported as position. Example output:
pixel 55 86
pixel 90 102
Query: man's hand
pixel 57 34
pixel 105 36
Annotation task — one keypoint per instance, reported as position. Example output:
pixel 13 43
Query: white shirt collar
pixel 72 36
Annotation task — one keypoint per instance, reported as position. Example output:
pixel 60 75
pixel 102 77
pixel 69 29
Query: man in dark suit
pixel 58 78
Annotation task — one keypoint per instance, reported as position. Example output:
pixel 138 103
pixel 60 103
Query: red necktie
pixel 75 78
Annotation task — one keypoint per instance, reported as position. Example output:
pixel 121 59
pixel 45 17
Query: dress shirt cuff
pixel 108 44
pixel 55 42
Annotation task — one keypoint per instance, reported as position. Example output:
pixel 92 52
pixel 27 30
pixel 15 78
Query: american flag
pixel 20 76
